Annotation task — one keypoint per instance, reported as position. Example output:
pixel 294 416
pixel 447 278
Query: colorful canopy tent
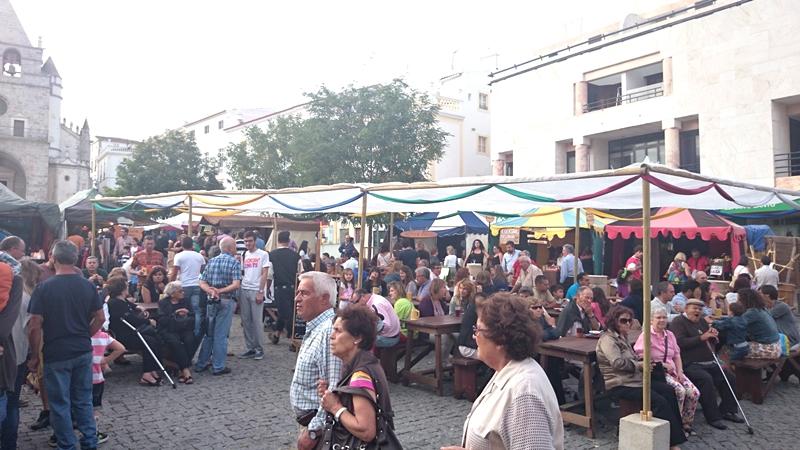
pixel 619 188
pixel 550 222
pixel 677 223
pixel 78 210
pixel 35 222
pixel 445 225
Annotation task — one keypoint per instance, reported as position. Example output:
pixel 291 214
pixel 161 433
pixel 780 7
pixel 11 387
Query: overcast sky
pixel 136 68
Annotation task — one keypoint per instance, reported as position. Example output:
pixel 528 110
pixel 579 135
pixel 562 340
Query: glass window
pixel 624 152
pixel 690 150
pixel 19 128
pixel 483 144
pixel 483 101
pixel 207 129
pixel 570 162
pixel 221 124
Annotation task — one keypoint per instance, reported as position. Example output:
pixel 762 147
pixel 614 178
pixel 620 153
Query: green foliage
pixel 372 134
pixel 166 163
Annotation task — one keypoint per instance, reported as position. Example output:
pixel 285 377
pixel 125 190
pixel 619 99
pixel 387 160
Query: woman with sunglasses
pixel 517 408
pixel 622 373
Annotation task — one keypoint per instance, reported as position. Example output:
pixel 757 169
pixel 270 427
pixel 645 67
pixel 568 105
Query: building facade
pixel 709 86
pixel 107 154
pixel 42 158
pixel 464 114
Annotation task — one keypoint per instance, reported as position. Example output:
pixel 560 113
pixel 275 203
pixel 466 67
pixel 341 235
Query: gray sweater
pixel 786 321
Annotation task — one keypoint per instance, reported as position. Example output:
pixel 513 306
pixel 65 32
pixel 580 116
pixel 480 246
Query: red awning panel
pixel 690 223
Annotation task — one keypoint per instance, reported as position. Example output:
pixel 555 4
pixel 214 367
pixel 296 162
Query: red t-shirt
pixel 700 263
pixel 635 274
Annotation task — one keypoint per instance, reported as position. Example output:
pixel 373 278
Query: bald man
pixel 220 280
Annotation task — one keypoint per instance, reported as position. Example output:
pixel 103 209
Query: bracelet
pixel 339 413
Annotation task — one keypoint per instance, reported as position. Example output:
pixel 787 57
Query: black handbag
pixel 335 436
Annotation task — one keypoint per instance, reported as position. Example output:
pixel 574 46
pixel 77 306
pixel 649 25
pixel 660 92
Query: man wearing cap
pixel 696 339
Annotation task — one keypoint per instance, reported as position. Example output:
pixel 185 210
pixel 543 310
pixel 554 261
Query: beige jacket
pixel 617 361
pixel 517 410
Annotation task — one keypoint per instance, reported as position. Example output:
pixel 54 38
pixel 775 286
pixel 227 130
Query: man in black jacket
pixel 694 335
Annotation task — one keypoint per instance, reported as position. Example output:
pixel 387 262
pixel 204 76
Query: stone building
pixel 42 158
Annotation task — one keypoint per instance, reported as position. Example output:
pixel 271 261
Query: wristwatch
pixel 313 435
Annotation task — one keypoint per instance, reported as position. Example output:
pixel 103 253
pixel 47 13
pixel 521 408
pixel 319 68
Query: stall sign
pixel 716 271
pixel 509 234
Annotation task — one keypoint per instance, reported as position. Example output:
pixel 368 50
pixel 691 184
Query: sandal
pixel 182 379
pixel 144 382
pixel 188 380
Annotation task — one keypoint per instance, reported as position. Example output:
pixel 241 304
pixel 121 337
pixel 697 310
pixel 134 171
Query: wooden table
pixel 436 326
pixel 585 350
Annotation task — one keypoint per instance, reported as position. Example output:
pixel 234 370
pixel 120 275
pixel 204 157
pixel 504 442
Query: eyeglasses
pixel 476 330
pixel 625 321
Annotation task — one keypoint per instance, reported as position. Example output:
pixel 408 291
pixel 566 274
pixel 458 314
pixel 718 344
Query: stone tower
pixel 40 157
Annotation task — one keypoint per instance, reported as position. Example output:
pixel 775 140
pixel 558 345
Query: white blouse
pixel 517 410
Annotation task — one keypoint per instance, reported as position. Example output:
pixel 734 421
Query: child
pixel 558 293
pixel 736 327
pixel 100 342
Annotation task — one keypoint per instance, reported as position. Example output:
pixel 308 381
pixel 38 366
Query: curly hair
pixel 612 318
pixel 116 286
pixel 750 299
pixel 510 324
pixel 359 321
pixel 153 271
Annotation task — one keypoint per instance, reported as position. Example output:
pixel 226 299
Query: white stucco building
pixel 710 86
pixel 463 100
pixel 107 154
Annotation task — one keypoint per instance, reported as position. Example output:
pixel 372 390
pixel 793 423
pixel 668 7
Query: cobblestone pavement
pixel 249 409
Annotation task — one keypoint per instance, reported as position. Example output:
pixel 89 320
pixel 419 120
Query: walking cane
pixel 716 360
pixel 151 352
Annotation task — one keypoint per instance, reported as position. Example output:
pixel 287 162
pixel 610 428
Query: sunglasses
pixel 625 321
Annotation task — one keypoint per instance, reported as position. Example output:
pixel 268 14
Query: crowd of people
pixel 62 322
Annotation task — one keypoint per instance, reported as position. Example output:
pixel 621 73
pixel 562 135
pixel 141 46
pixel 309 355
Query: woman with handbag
pixel 176 329
pixel 120 309
pixel 664 349
pixel 359 410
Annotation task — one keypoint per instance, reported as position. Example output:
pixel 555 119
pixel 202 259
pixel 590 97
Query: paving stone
pixel 249 409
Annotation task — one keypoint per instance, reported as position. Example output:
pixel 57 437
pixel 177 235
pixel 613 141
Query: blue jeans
pixel 69 390
pixel 383 341
pixel 193 294
pixel 215 342
pixel 8 437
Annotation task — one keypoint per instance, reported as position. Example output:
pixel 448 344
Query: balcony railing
pixel 632 97
pixel 787 164
pixel 27 133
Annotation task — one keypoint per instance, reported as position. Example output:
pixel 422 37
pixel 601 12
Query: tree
pixel 166 163
pixel 373 134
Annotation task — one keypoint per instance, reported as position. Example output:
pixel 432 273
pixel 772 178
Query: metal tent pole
pixel 577 242
pixel 94 230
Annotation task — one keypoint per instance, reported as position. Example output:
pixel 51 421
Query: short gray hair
pixel 658 310
pixel 583 288
pixel 172 287
pixel 569 248
pixel 65 252
pixel 524 258
pixel 423 271
pixel 661 287
pixel 323 284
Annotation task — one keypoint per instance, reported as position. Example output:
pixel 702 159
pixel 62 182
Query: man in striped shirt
pixel 316 295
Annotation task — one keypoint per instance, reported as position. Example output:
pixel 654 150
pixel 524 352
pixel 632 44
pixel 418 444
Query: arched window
pixel 12 63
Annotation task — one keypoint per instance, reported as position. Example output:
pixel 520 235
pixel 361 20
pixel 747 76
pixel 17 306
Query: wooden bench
pixel 388 357
pixel 748 377
pixel 465 378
